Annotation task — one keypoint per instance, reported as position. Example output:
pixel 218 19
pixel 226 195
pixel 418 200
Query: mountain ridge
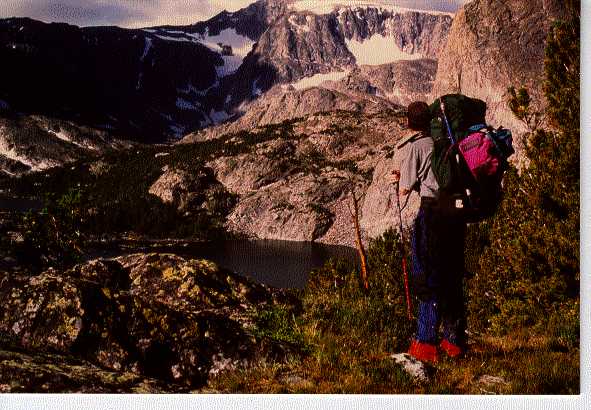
pixel 159 84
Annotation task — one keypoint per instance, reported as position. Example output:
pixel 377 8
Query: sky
pixel 144 13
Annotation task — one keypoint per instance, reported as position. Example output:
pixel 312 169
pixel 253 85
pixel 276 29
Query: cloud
pixel 180 12
pixel 440 5
pixel 125 13
pixel 143 13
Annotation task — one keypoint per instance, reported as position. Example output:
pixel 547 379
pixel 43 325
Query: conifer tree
pixel 529 273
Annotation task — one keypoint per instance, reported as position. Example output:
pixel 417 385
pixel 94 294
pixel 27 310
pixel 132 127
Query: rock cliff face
pixel 35 142
pixel 302 43
pixel 413 32
pixel 401 82
pixel 493 45
pixel 283 103
pixel 367 89
pixel 296 184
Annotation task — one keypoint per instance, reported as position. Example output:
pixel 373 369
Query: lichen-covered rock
pixel 189 284
pixel 185 313
pixel 40 312
pixel 155 315
pixel 22 372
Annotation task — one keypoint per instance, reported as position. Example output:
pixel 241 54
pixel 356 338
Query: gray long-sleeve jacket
pixel 415 168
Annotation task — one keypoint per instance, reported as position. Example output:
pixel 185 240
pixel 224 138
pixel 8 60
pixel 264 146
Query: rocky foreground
pixel 139 323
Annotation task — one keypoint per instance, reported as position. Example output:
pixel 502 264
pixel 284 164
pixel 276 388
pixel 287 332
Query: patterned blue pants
pixel 437 274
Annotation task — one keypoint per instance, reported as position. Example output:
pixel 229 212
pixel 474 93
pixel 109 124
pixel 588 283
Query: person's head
pixel 419 116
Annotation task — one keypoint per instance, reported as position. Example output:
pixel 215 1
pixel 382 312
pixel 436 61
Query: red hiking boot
pixel 425 352
pixel 453 351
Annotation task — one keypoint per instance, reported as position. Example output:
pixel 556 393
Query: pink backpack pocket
pixel 478 151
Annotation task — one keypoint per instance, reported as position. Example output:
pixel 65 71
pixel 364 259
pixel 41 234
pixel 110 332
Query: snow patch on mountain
pixel 293 20
pixel 256 91
pixel 10 152
pixel 328 6
pixel 214 118
pixel 178 39
pixel 184 104
pixel 147 48
pixel 190 89
pixel 318 79
pixel 177 130
pixel 378 50
pixel 231 65
pixel 230 45
pixel 204 92
pixel 241 45
pixel 205 123
pixel 218 117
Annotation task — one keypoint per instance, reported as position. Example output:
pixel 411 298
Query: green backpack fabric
pixel 462 112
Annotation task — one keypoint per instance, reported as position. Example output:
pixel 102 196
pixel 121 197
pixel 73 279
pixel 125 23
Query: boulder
pixel 185 189
pixel 154 315
pixel 415 368
pixel 40 312
pixel 29 372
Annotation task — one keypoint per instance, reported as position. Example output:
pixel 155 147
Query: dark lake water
pixel 19 204
pixel 282 264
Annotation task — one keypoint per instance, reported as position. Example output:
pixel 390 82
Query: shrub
pixel 336 303
pixel 279 323
pixel 53 237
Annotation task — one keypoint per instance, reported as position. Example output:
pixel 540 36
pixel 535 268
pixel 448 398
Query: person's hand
pixel 395 178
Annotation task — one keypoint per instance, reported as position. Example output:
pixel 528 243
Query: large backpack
pixel 469 158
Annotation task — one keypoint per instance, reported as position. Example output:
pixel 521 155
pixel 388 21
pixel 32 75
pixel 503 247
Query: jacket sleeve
pixel 409 168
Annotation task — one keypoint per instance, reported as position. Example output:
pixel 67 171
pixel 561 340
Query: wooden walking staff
pixel 403 250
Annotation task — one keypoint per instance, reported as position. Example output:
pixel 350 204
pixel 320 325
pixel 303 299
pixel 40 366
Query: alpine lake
pixel 276 263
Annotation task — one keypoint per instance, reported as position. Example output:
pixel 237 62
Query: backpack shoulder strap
pixel 412 138
pixel 479 128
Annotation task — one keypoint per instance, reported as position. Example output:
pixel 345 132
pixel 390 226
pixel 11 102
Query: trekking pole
pixel 447 126
pixel 403 250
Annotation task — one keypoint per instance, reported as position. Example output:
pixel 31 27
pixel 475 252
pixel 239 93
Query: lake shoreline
pixel 281 264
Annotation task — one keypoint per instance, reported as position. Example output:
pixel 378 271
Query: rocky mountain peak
pixel 312 40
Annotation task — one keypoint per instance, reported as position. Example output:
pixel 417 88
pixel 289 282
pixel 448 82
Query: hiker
pixel 437 267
